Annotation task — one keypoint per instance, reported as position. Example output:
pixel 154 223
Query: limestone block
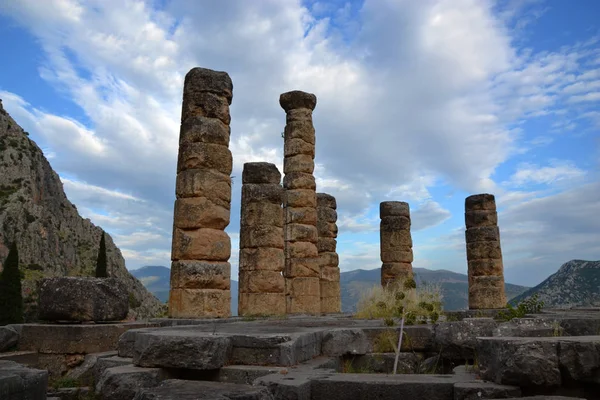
pixel 489 267
pixel 326 244
pixel 174 389
pixel 394 209
pixel 261 173
pixel 325 200
pixel 123 382
pixel 205 104
pixel 300 198
pixel 395 272
pixel 262 258
pixel 261 213
pixel 480 202
pixel 325 213
pixel 201 244
pixel 205 156
pixel 262 236
pixel 331 274
pixel 483 234
pixel 299 180
pixel 331 304
pixel 479 218
pixel 261 303
pixel 483 250
pixel 298 163
pixel 458 339
pixel 329 289
pixel 213 185
pixel 305 286
pixel 298 114
pixel 401 255
pixel 301 233
pixel 391 224
pixel 8 338
pixel 253 193
pixel 304 215
pixel 195 303
pixel 192 274
pixel 302 267
pixel 200 212
pixel 294 147
pixel 301 250
pixel 486 292
pixel 329 259
pixel 207 80
pixel 327 229
pixel 297 99
pixel 338 342
pixel 300 129
pixel 258 281
pixel 392 239
pixel 19 382
pixel 303 304
pixel 204 130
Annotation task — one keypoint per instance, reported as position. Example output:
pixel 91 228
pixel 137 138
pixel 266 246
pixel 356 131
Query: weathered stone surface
pixel 204 130
pixel 8 338
pixel 329 259
pixel 262 236
pixel 480 218
pixel 303 267
pixel 200 212
pixel 84 372
pixel 484 390
pixel 394 209
pixel 201 244
pixel 458 339
pixel 261 173
pixel 300 129
pixel 104 363
pixel 304 215
pixel 205 155
pixel 327 201
pixel 190 274
pixel 270 193
pixel 261 304
pixel 196 303
pixel 391 240
pixel 262 258
pixel 299 180
pixel 326 244
pixel 300 198
pixel 204 104
pixel 486 292
pixel 483 250
pixel 331 274
pixel 297 99
pixel 398 256
pixel 181 349
pixel 326 214
pixel 297 146
pixel 298 163
pixel 174 389
pixel 301 233
pixel 261 282
pixel 383 363
pixel 83 299
pixel 579 360
pixel 395 242
pixel 391 272
pixel 302 304
pixel 487 267
pixel 529 327
pixel 207 80
pixel 329 290
pixel 332 304
pixel 391 224
pixel 307 286
pixel 122 383
pixel 327 229
pixel 338 342
pixel 213 185
pixel 21 383
pixel 301 250
pixel 483 201
pixel 483 234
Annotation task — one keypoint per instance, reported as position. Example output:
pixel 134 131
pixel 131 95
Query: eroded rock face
pixel 83 299
pixel 52 238
pixel 8 338
pixel 331 301
pixel 395 242
pixel 200 271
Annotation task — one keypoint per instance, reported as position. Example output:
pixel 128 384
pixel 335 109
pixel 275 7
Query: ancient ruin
pixel 484 256
pixel 395 242
pixel 302 270
pixel 200 271
pixel 261 263
pixel 328 257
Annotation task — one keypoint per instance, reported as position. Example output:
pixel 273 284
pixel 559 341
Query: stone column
pixel 302 271
pixel 395 242
pixel 262 289
pixel 484 256
pixel 331 301
pixel 200 271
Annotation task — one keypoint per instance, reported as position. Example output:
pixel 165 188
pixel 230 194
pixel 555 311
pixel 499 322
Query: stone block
pixel 458 339
pixel 305 215
pixel 195 303
pixel 205 156
pixel 394 224
pixel 204 130
pixel 330 273
pixel 579 360
pixel 395 272
pixel 326 214
pixel 261 213
pixel 483 234
pixel 303 267
pixel 123 382
pixel 298 114
pixel 327 229
pixel 262 258
pixel 21 383
pixel 84 372
pixel 301 233
pixel 261 282
pixel 486 292
pixel 489 267
pixel 189 274
pixel 205 104
pixel 261 304
pixel 261 193
pixel 394 209
pixel 211 184
pixel 294 147
pixel 326 245
pixel 297 99
pixel 300 129
pixel 389 241
pixel 329 259
pixel 305 286
pixel 104 363
pixel 246 374
pixel 481 202
pixel 174 389
pixel 479 218
pixel 300 198
pixel 262 236
pixel 330 305
pixel 483 250
pixel 329 289
pixel 484 390
pixel 199 80
pixel 401 255
pixel 83 299
pixel 339 342
pixel 325 200
pixel 261 173
pixel 199 212
pixel 301 250
pixel 298 163
pixel 8 338
pixel 298 304
pixel 299 180
pixel 201 244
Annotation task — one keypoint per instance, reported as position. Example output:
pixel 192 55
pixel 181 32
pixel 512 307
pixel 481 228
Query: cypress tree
pixel 11 298
pixel 101 270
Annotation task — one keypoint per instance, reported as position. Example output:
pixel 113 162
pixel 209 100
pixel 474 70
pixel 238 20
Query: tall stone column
pixel 302 271
pixel 200 271
pixel 395 242
pixel 331 301
pixel 484 256
pixel 261 283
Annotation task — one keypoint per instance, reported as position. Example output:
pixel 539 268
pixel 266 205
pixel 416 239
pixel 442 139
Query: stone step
pixel 175 389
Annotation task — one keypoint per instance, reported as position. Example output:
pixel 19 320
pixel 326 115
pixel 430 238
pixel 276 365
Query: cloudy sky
pixel 424 101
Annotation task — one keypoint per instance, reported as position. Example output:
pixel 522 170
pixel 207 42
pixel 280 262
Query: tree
pixel 11 298
pixel 101 270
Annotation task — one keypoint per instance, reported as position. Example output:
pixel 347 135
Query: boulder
pixel 22 383
pixel 8 338
pixel 83 299
pixel 122 383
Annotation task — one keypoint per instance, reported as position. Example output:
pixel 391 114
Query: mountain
pixel 353 283
pixel 52 238
pixel 576 283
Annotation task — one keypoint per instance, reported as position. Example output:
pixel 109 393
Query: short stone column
pixel 484 256
pixel 331 301
pixel 395 242
pixel 302 270
pixel 261 283
pixel 200 271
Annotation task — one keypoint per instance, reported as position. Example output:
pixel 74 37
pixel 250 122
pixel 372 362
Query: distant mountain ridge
pixel 575 284
pixel 353 284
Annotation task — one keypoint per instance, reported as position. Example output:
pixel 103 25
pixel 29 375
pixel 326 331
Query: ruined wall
pixel 261 283
pixel 395 242
pixel 302 269
pixel 331 301
pixel 200 271
pixel 484 256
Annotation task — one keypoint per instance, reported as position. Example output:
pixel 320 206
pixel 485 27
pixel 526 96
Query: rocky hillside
pixel 53 239
pixel 575 284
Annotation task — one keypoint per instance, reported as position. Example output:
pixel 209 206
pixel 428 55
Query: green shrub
pixel 530 305
pixel 11 297
pixel 101 270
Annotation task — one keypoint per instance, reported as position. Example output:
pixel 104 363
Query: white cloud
pixel 559 171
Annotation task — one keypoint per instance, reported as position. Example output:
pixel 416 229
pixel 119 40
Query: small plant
pixel 389 321
pixel 63 382
pixel 385 342
pixel 531 305
pixel 101 269
pixel 11 297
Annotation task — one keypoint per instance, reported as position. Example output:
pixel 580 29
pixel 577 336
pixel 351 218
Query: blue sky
pixel 420 101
